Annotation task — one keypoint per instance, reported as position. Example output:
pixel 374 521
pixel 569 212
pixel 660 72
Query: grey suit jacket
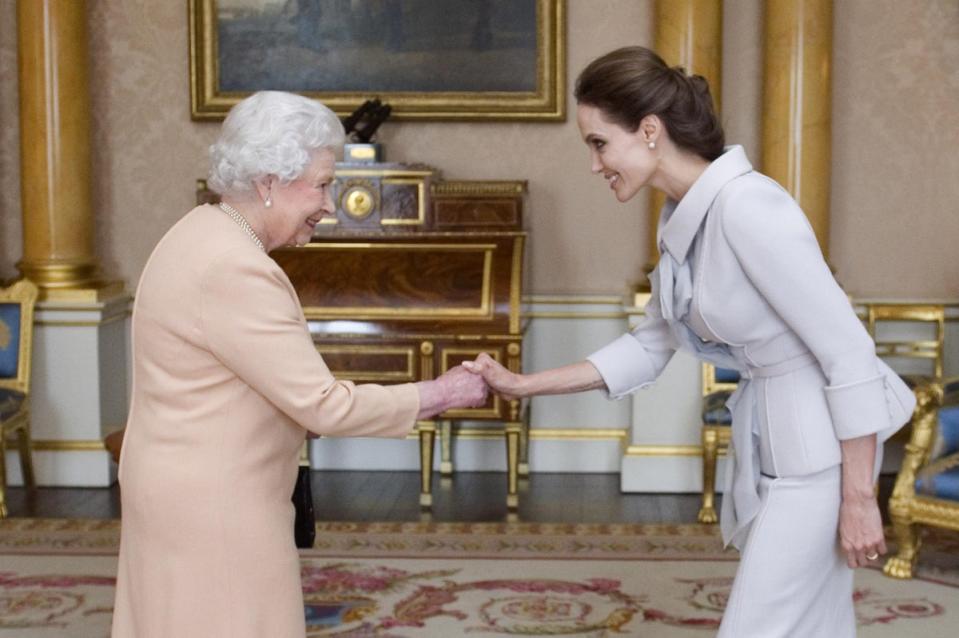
pixel 761 288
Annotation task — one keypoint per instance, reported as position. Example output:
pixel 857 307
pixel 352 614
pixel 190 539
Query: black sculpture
pixel 361 124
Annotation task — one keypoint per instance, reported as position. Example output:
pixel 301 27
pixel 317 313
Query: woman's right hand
pixel 500 380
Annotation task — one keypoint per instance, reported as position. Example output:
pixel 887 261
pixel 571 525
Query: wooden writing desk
pixel 413 276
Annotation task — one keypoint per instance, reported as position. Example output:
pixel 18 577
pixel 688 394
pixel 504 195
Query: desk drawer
pixel 372 363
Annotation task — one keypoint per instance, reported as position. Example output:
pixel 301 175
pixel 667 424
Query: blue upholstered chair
pixel 718 385
pixel 16 343
pixel 927 487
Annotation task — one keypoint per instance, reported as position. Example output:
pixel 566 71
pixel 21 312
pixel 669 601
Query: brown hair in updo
pixel 630 83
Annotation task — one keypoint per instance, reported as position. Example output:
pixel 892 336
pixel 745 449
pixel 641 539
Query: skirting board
pixel 65 468
pixel 469 455
pixel 667 474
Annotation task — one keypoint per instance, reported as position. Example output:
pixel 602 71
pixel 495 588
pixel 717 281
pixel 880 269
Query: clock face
pixel 358 202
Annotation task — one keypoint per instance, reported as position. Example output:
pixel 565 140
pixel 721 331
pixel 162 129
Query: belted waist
pixel 781 368
pixel 741 498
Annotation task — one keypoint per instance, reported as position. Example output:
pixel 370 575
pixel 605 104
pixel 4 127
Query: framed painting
pixel 449 60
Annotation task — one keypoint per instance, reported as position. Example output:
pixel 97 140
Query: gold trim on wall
pixel 546 434
pixel 666 450
pixel 546 103
pixel 74 445
pixel 579 434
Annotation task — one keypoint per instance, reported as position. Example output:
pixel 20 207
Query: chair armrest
pixel 928 400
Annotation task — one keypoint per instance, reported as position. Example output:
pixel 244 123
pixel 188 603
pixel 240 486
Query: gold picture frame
pixel 294 50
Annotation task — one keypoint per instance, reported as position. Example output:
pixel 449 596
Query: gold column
pixel 796 129
pixel 55 150
pixel 689 33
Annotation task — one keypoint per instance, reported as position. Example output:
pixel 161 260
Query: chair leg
pixel 3 473
pixel 26 457
pixel 524 443
pixel 427 436
pixel 512 464
pixel 707 513
pixel 907 537
pixel 446 448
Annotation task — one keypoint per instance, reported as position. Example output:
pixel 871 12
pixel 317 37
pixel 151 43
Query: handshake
pixel 467 386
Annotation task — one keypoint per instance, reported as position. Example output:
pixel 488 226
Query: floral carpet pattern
pixel 413 580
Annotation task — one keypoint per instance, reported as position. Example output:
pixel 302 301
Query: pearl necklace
pixel 242 223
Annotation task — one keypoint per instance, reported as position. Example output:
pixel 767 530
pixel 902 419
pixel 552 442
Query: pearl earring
pixel 652 145
pixel 268 202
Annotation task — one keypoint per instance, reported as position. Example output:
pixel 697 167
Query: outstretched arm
pixel 576 377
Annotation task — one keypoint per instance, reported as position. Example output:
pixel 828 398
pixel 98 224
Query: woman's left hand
pixel 860 530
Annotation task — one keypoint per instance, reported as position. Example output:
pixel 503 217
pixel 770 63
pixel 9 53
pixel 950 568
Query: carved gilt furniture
pixel 412 276
pixel 927 486
pixel 891 347
pixel 916 358
pixel 718 385
pixel 16 348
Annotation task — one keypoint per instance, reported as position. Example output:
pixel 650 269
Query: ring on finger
pixel 872 556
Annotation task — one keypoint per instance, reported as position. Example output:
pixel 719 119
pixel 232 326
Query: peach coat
pixel 226 383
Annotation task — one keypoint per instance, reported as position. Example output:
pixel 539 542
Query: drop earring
pixel 268 202
pixel 651 145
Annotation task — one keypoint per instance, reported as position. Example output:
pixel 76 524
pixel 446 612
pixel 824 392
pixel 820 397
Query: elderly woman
pixel 227 385
pixel 741 283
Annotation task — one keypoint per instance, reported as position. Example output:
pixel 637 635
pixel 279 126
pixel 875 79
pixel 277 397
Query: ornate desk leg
pixel 524 443
pixel 513 429
pixel 446 445
pixel 26 458
pixel 3 475
pixel 427 430
pixel 707 514
pixel 514 363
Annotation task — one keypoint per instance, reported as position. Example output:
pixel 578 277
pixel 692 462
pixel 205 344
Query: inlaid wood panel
pixel 413 280
pixel 457 212
pixel 370 363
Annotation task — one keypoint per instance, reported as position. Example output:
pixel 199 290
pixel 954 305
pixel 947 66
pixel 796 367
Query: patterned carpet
pixel 412 580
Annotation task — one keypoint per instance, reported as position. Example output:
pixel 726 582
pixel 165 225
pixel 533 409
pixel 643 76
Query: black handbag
pixel 304 527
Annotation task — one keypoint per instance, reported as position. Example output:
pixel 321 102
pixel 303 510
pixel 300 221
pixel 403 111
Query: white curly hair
pixel 270 133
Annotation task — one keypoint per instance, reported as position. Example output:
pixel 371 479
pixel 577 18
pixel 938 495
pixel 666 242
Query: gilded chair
pixel 927 486
pixel 718 385
pixel 16 344
pixel 918 360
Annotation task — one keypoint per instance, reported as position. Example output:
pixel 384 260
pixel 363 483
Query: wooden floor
pixel 394 496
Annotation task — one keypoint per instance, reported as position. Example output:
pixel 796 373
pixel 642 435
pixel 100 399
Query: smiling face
pixel 622 157
pixel 300 205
